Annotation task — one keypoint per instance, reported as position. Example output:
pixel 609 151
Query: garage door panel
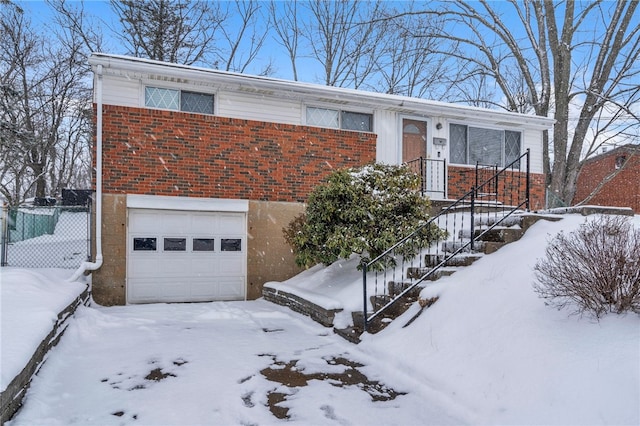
pixel 232 265
pixel 143 266
pixel 205 266
pixel 229 288
pixel 144 222
pixel 175 223
pixel 181 270
pixel 231 223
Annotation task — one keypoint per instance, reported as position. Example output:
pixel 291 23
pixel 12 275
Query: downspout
pixel 92 266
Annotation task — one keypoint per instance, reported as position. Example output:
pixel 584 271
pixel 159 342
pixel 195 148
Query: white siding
pixel 121 91
pixel 533 141
pixel 259 107
pixel 385 125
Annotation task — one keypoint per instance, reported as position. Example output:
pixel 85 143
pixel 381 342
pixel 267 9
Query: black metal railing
pixel 466 221
pixel 433 176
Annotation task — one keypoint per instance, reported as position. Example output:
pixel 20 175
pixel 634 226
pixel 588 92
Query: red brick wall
pixel 623 190
pixel 511 187
pixel 158 152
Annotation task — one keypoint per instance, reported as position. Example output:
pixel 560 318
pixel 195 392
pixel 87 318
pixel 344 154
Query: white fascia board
pixel 315 92
pixel 164 202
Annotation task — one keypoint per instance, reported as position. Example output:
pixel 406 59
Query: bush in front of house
pixel 595 269
pixel 361 210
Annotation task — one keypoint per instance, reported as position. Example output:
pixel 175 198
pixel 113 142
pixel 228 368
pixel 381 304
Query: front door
pixel 414 139
pixel 415 153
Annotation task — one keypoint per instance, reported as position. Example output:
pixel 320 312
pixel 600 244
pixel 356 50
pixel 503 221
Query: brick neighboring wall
pixel 159 152
pixel 623 190
pixel 512 186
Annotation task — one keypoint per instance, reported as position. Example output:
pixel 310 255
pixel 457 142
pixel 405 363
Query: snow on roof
pixel 269 86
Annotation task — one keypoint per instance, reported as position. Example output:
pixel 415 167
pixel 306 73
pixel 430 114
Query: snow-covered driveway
pixel 206 364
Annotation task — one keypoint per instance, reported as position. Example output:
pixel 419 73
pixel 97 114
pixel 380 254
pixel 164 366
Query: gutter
pixel 86 267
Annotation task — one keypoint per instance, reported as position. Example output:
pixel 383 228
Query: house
pixel 198 170
pixel 611 179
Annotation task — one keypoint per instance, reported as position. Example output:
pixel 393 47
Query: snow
pixel 489 351
pixel 30 301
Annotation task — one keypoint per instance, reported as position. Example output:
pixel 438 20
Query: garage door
pixel 185 256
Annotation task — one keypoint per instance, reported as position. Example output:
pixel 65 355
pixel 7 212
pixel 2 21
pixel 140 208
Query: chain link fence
pixel 45 237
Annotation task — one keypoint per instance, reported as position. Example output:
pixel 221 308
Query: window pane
pixel 156 97
pixel 201 103
pixel 203 244
pixel 231 244
pixel 144 244
pixel 485 146
pixel 511 147
pixel 458 144
pixel 357 121
pixel 323 117
pixel 175 244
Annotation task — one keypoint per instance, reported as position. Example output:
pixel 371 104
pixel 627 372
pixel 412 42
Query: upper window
pixel 178 100
pixel 476 145
pixel 336 119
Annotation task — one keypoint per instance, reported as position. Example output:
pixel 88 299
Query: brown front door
pixel 414 139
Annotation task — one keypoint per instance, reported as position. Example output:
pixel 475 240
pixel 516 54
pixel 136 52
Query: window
pixel 230 244
pixel 156 97
pixel 203 244
pixel 471 145
pixel 144 244
pixel 175 244
pixel 336 119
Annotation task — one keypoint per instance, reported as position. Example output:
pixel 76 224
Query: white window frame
pixel 488 127
pixel 340 112
pixel 198 90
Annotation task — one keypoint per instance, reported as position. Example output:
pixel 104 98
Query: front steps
pixel 490 240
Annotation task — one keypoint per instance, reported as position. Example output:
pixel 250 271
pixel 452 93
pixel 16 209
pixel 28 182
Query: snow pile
pixel 488 352
pixel 30 302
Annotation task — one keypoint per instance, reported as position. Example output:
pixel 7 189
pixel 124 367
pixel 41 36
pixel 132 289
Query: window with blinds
pixel 477 145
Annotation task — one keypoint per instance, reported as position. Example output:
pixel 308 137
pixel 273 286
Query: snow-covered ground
pixel 488 352
pixel 65 248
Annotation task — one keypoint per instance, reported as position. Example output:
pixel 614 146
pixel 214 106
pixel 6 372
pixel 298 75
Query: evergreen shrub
pixel 361 210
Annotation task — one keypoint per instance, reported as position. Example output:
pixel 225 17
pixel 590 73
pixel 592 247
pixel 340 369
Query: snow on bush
pixel 595 269
pixel 361 210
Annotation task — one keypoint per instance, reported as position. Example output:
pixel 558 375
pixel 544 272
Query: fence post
pixel 528 189
pixel 5 230
pixel 364 296
pixel 473 208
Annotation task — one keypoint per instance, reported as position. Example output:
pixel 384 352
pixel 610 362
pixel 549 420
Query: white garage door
pixel 185 256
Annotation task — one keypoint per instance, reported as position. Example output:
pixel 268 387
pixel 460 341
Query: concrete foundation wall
pixel 108 282
pixel 269 257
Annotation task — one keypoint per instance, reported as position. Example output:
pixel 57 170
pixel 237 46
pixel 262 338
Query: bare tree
pixel 243 36
pixel 405 60
pixel 555 58
pixel 178 31
pixel 343 37
pixel 284 21
pixel 44 84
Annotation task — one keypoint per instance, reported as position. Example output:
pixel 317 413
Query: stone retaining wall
pixel 11 397
pixel 298 304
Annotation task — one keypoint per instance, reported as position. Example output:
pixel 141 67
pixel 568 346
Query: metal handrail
pixel 471 195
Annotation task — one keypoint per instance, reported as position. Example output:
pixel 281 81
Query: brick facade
pixel 158 152
pixel 511 187
pixel 613 178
